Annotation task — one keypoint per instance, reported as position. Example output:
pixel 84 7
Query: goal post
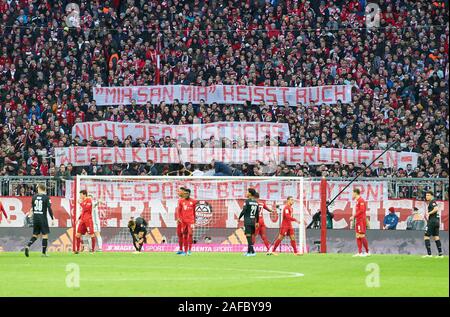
pixel 219 203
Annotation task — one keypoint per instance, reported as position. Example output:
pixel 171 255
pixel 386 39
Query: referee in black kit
pixel 432 225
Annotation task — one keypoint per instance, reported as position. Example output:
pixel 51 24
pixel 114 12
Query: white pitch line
pixel 279 274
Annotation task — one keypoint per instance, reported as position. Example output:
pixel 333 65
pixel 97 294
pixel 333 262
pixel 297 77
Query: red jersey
pixel 3 210
pixel 86 209
pixel 262 205
pixel 186 210
pixel 360 214
pixel 288 211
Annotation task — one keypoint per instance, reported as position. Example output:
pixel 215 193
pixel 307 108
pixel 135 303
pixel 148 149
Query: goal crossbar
pixel 80 180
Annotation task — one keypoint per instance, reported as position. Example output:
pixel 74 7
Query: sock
pixel 87 243
pixel 276 244
pixel 294 245
pixel 31 241
pixel 77 244
pixel 44 245
pixel 140 247
pixel 266 242
pixel 439 246
pixel 365 244
pixel 185 243
pixel 100 242
pixel 92 243
pixel 428 246
pixel 250 244
pixel 180 242
pixel 359 243
pixel 189 242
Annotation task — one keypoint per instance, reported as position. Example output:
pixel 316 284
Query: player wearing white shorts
pixel 96 223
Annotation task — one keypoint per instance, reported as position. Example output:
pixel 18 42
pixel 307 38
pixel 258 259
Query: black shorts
pixel 432 228
pixel 136 232
pixel 249 229
pixel 40 226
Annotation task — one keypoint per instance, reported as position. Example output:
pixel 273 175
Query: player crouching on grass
pixel 250 212
pixel 85 222
pixel 361 223
pixel 185 215
pixel 138 231
pixel 286 227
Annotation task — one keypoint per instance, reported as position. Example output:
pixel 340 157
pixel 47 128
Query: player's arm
pixel 244 208
pixel 361 209
pixel 288 216
pixel 193 212
pixel 178 212
pixel 435 209
pixel 49 208
pixel 88 204
pixel 267 208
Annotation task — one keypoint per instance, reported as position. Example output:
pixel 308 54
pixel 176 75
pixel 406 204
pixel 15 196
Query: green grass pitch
pixel 221 274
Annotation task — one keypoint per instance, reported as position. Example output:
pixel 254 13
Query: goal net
pixel 219 203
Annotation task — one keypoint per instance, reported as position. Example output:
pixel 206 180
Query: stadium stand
pixel 399 72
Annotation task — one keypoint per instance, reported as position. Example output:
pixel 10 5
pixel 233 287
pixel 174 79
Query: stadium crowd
pixel 399 72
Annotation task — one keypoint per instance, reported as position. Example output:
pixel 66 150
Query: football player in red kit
pixel 86 223
pixel 360 223
pixel 286 227
pixel 261 229
pixel 177 218
pixel 186 219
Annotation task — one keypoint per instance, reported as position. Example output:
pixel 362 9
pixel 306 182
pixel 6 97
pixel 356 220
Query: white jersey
pixel 96 217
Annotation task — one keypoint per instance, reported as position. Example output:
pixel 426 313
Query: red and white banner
pixel 223 94
pixel 249 131
pixel 218 214
pixel 273 190
pixel 81 156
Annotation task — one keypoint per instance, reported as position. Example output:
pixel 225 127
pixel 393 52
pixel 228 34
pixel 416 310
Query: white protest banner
pixel 81 156
pixel 202 189
pixel 250 131
pixel 223 94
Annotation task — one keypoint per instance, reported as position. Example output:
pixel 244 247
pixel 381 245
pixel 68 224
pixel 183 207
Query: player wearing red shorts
pixel 261 229
pixel 360 223
pixel 85 222
pixel 177 217
pixel 286 227
pixel 186 219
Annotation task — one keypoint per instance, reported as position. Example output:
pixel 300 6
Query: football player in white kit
pixel 96 222
pixel 97 227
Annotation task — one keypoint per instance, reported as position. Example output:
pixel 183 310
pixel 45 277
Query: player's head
pixel 429 195
pixel 184 192
pixel 356 193
pixel 256 195
pixel 290 200
pixel 41 188
pixel 131 223
pixel 251 193
pixel 187 192
pixel 83 193
pixel 180 192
